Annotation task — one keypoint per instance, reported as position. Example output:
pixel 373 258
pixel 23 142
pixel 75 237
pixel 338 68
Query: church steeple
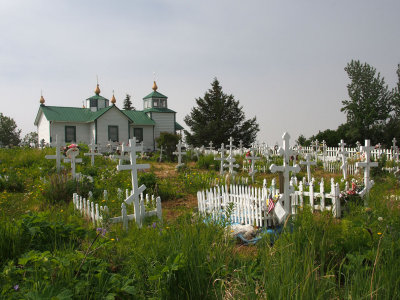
pixel 155 99
pixel 41 99
pixel 97 90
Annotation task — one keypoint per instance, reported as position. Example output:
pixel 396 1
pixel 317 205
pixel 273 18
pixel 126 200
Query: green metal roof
pixel 161 110
pixel 139 117
pixel 155 94
pixel 70 114
pixel 178 126
pixel 98 97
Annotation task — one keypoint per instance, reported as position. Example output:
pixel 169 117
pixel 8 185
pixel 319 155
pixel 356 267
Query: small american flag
pixel 271 203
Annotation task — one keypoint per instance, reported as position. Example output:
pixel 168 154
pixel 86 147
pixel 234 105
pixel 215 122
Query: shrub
pixel 207 162
pixel 168 141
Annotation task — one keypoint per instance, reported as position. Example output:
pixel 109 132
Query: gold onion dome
pixel 155 87
pixel 41 99
pixel 113 100
pixel 97 90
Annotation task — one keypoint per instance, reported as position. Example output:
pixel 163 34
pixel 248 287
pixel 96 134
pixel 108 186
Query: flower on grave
pixel 72 146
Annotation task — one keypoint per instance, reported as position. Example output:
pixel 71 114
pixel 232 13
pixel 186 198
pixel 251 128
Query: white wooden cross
pixel 92 153
pixel 179 153
pixel 72 153
pixel 367 164
pixel 308 163
pixel 211 148
pixel 241 147
pixel 324 150
pixel 286 169
pixel 121 157
pixel 230 145
pixel 253 158
pixel 133 167
pixel 395 150
pixel 222 158
pixel 161 151
pixel 316 149
pixel 58 156
pixel 343 153
pixel 231 159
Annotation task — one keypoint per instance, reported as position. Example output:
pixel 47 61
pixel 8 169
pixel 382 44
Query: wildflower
pixel 379 233
pixel 154 225
pixel 112 240
pixel 61 210
pixel 380 219
pixel 16 287
pixel 103 200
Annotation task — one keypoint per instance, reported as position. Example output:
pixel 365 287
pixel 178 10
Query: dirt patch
pixel 175 208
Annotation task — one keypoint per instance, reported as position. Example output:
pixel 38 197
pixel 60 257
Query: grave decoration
pixel 308 163
pixel 72 151
pixel 222 159
pixel 286 152
pixel 367 164
pixel 231 159
pixel 179 153
pixel 92 152
pixel 252 158
pixel 58 156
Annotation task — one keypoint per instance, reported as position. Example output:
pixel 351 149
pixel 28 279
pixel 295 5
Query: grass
pixel 48 250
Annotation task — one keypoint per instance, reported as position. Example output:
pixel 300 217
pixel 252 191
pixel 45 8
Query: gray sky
pixel 284 60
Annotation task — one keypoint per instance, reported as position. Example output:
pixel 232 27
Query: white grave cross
pixel 230 158
pixel 285 169
pixel 92 153
pixel 395 150
pixel 308 163
pixel 72 153
pixel 367 164
pixel 222 158
pixel 211 148
pixel 58 156
pixel 179 153
pixel 343 153
pixel 253 160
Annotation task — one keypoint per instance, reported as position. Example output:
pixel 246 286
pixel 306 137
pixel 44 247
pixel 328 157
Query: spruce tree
pixel 128 103
pixel 217 117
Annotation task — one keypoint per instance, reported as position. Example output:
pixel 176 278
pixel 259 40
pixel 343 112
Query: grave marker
pixel 179 153
pixel 92 153
pixel 395 150
pixel 343 153
pixel 58 156
pixel 222 158
pixel 286 152
pixel 308 163
pixel 72 153
pixel 367 164
pixel 253 159
pixel 231 159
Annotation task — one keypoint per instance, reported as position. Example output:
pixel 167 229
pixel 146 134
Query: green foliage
pixel 9 133
pixel 149 180
pixel 217 117
pixel 128 103
pixel 207 162
pixel 31 138
pixel 12 183
pixel 168 141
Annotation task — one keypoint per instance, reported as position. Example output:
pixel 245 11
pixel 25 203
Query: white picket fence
pixel 96 213
pixel 317 200
pixel 249 203
pixel 335 167
pixel 331 152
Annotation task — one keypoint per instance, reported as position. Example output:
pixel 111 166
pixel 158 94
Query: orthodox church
pixel 100 122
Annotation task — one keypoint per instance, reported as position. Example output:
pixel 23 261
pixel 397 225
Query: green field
pixel 48 251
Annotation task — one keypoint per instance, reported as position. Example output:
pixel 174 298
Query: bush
pixel 168 141
pixel 207 162
pixel 149 180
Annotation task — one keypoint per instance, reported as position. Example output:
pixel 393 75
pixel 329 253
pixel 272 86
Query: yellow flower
pixel 103 201
pixel 379 233
pixel 61 210
pixel 113 240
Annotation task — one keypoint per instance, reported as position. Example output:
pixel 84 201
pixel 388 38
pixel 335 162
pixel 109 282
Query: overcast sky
pixel 283 60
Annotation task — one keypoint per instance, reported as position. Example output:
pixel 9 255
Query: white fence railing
pixel 96 213
pixel 248 205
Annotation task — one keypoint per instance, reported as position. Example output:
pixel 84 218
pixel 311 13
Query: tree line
pixel 372 109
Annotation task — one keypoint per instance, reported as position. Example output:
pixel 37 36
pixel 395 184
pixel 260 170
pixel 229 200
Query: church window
pixel 113 133
pixel 70 134
pixel 138 134
pixel 155 102
pixel 93 102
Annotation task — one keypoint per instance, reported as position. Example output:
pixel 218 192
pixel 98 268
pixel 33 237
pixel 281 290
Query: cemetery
pixel 115 220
